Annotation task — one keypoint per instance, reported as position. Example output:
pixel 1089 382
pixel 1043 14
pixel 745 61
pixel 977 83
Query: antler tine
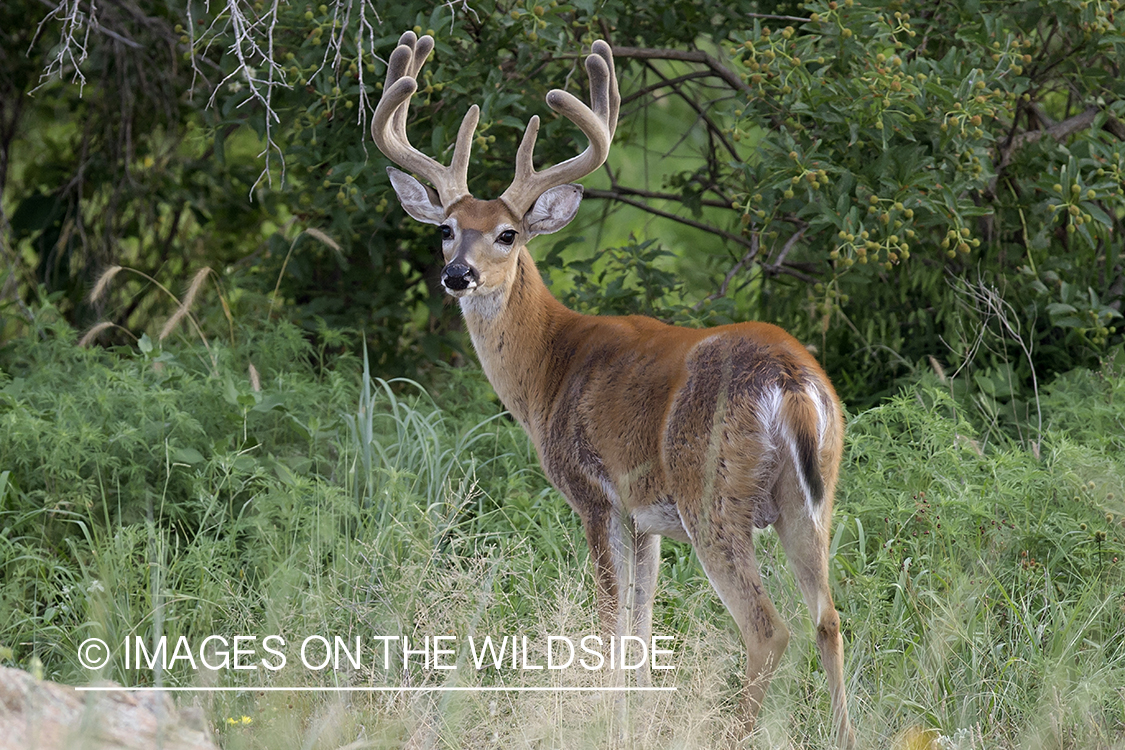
pixel 603 50
pixel 598 123
pixel 411 65
pixel 388 126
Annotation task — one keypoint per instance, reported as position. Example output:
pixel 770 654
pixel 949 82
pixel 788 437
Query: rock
pixel 42 715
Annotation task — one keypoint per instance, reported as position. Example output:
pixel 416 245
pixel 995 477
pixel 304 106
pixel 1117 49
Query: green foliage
pixel 894 148
pixel 960 565
pixel 233 471
pixel 630 280
pixel 835 164
pixel 156 491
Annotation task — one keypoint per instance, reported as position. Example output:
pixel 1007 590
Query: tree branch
pixel 621 189
pixel 770 17
pixel 775 267
pixel 1058 131
pixel 695 55
pixel 715 129
pixel 722 290
pixel 621 197
pixel 664 83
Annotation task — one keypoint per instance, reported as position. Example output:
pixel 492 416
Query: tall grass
pixel 144 494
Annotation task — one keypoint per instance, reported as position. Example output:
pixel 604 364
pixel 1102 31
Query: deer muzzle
pixel 458 277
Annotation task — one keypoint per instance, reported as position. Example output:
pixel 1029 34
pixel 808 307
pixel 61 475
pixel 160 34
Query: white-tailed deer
pixel 647 429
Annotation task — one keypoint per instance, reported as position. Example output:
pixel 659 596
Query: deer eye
pixel 507 237
pixel 446 232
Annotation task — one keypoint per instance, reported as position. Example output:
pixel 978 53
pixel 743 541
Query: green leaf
pixel 1060 308
pixel 269 403
pixel 1101 216
pixel 187 455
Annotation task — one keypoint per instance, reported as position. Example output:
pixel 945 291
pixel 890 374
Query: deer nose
pixel 457 277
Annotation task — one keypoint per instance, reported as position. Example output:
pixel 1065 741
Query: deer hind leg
pixel 725 547
pixel 806 547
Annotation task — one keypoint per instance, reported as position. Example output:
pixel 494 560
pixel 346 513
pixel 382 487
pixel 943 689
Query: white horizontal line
pixel 478 689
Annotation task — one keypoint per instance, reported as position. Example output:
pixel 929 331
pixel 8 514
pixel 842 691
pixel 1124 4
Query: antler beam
pixel 598 124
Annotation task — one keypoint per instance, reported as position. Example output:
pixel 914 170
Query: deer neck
pixel 516 332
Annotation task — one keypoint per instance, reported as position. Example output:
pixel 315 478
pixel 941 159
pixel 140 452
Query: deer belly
pixel 661 517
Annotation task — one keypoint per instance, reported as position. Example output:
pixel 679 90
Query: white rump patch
pixel 770 408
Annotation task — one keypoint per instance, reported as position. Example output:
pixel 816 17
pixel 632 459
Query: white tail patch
pixel 823 410
pixel 810 505
pixel 821 414
pixel 772 424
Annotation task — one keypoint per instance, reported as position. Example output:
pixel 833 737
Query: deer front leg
pixel 626 563
pixel 603 538
pixel 641 556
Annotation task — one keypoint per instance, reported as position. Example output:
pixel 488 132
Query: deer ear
pixel 553 210
pixel 420 202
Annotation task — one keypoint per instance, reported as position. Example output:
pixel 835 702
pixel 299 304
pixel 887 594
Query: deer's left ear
pixel 553 210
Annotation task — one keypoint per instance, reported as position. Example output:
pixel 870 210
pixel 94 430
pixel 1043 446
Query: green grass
pixel 144 495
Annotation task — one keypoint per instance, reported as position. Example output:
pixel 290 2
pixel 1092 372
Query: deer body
pixel 647 429
pixel 626 403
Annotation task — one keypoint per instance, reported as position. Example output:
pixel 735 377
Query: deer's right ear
pixel 420 202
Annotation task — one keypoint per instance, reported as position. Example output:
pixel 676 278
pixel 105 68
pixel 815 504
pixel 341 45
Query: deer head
pixel 482 239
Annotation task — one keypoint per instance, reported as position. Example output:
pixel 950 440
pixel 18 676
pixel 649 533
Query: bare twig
pixel 771 17
pixel 748 257
pixel 664 83
pixel 700 111
pixel 988 302
pixel 751 243
pixel 665 196
pixel 252 35
pixel 74 40
pixel 790 243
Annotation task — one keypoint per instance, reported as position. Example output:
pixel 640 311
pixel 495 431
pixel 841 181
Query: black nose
pixel 457 276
